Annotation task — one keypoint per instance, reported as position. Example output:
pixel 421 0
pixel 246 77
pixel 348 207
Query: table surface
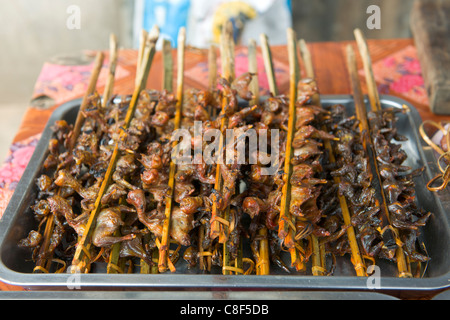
pixel 395 65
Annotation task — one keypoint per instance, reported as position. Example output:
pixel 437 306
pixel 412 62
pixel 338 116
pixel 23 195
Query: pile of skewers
pixel 112 192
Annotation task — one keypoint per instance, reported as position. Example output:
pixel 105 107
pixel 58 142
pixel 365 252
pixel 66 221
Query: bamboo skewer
pixel 286 225
pixel 212 68
pixel 98 64
pixel 268 64
pixel 228 70
pixel 168 66
pixel 205 253
pixel 367 63
pixel 227 52
pixel 164 247
pixel 142 44
pixel 388 232
pixel 43 262
pixel 117 265
pixel 226 270
pixel 112 69
pixel 253 69
pixel 357 260
pixel 227 57
pixel 318 256
pixel 167 84
pixel 80 262
pixel 113 264
pixel 263 265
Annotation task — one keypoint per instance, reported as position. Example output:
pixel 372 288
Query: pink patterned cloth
pixel 14 166
pixel 64 83
pixel 401 73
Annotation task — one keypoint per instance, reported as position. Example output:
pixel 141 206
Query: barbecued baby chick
pixel 109 220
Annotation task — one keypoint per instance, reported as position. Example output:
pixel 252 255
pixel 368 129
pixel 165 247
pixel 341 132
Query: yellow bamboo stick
pixel 268 64
pixel 286 225
pixel 227 57
pixel 112 69
pixel 164 247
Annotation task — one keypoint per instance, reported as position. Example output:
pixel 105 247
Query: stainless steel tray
pixel 16 265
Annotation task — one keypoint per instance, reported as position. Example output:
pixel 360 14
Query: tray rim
pixel 205 281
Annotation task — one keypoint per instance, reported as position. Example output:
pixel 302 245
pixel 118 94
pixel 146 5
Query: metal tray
pixel 16 265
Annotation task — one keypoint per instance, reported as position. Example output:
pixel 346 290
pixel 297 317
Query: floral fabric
pixel 401 74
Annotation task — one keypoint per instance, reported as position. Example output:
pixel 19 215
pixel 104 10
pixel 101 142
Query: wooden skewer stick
pixel 227 52
pixel 205 260
pixel 228 70
pixel 44 262
pixel 112 69
pixel 212 67
pixel 268 64
pixel 90 90
pixel 253 69
pixel 167 84
pixel 367 62
pixel 263 265
pixel 389 233
pixel 113 266
pixel 227 57
pixel 357 260
pixel 81 260
pixel 286 224
pixel 142 44
pixel 164 247
pixel 168 66
pixel 318 256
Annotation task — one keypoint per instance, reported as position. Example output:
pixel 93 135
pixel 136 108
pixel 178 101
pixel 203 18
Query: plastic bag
pixel 169 15
pixel 203 19
pixel 250 18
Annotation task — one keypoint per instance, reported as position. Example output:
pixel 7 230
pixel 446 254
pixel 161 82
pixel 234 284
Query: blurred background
pixel 36 31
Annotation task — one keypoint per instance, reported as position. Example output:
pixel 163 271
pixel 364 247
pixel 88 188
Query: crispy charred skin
pixel 134 248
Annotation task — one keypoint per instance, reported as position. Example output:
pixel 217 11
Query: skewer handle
pixel 253 68
pixel 168 66
pixel 286 225
pixel 142 43
pixel 98 64
pixel 374 96
pixel 109 87
pixel 165 239
pixel 268 64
